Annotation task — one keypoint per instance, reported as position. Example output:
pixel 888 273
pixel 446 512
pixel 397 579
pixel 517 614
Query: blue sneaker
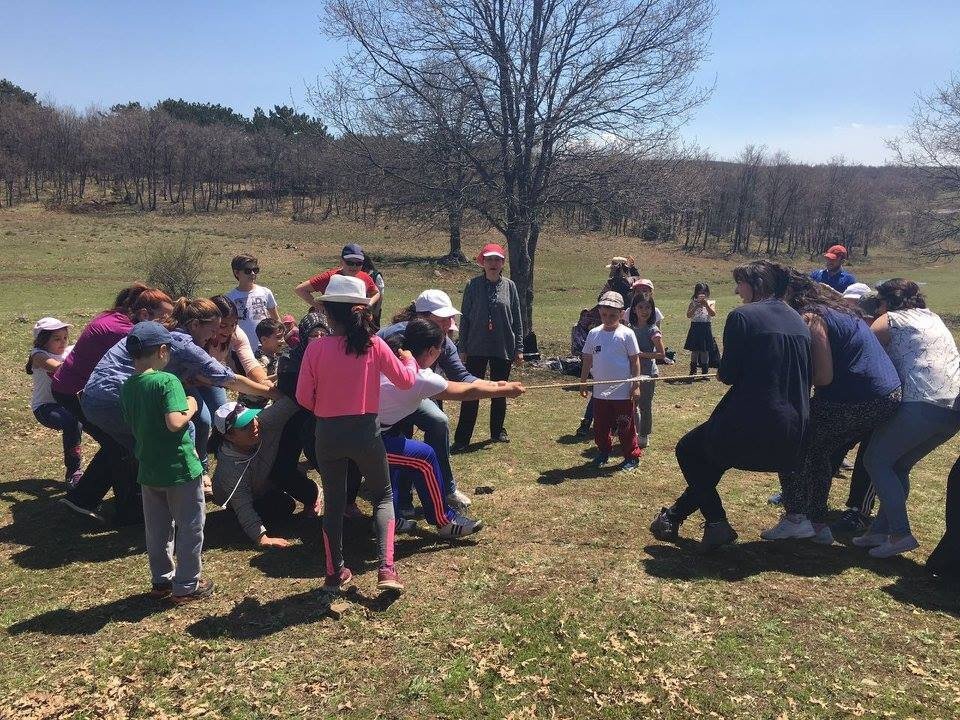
pixel 775 499
pixel 600 460
pixel 629 464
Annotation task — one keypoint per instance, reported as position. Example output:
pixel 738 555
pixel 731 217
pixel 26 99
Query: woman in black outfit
pixel 945 558
pixel 758 425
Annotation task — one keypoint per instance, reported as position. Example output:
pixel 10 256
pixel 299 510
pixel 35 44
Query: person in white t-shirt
pixel 611 352
pixel 412 461
pixel 253 302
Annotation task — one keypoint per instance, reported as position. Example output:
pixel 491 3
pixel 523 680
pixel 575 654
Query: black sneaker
pixel 664 526
pixel 458 447
pixel 716 535
pixel 501 437
pixel 584 429
pixel 203 591
pixel 851 521
pixel 89 512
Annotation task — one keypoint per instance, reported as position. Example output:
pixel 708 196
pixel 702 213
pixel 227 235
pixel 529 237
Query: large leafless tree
pixel 539 76
pixel 931 146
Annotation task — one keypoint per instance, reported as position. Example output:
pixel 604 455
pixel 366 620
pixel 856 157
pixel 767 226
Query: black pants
pixel 288 483
pixel 945 558
pixel 499 370
pixel 702 473
pixel 111 467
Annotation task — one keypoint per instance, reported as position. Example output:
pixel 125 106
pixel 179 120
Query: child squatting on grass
pixel 611 352
pixel 50 337
pixel 158 412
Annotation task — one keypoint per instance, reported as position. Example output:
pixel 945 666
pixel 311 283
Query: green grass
pixel 563 607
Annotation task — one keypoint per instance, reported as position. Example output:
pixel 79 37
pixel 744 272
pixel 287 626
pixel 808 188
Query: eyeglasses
pixel 251 270
pixel 354 263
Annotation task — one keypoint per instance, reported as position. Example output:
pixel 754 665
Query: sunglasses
pixel 251 270
pixel 354 263
pixel 231 419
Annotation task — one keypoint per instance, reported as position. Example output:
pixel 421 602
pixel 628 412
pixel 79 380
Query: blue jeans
pixel 208 400
pixel 436 433
pixel 57 417
pixel 895 447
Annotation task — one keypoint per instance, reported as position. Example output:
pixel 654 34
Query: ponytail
pixel 41 340
pixel 128 296
pixel 356 322
pixel 407 314
pixel 200 309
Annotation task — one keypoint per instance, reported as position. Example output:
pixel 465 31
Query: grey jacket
pixel 491 329
pixel 249 473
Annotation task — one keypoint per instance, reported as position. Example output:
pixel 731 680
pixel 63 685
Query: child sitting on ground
pixel 158 412
pixel 611 352
pixel 50 337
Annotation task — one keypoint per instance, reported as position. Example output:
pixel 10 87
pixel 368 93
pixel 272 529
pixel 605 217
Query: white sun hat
pixel 345 289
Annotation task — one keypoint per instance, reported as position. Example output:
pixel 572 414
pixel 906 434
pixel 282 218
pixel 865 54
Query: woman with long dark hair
pixel 925 355
pixel 857 389
pixel 340 382
pixel 759 423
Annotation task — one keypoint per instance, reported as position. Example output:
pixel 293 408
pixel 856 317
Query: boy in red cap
pixel 833 274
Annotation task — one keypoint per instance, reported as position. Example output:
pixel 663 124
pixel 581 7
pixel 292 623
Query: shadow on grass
pixel 572 439
pixel 66 621
pixel 50 535
pixel 746 559
pixel 928 593
pixel 474 447
pixel 250 619
pixel 586 471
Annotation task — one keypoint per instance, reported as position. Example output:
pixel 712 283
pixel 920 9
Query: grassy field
pixel 564 606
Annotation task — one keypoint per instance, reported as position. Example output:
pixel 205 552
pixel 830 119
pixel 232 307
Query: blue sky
pixel 813 78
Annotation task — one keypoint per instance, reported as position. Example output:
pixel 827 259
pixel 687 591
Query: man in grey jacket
pixel 243 480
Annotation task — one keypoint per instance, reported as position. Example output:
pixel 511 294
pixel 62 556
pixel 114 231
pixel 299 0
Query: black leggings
pixel 702 473
pixel 499 370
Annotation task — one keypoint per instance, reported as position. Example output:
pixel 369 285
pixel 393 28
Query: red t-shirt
pixel 319 282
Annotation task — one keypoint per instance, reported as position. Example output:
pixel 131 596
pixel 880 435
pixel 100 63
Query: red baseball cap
pixel 492 250
pixel 836 252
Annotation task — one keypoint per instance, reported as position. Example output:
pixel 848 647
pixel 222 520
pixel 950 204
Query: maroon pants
pixel 615 416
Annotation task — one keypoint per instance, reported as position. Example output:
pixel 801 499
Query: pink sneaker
pixel 74 478
pixel 339 581
pixel 388 579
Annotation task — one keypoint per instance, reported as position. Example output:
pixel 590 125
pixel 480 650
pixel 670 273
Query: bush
pixel 175 270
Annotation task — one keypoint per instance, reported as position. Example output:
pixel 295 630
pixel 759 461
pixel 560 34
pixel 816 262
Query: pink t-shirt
pixel 101 334
pixel 334 383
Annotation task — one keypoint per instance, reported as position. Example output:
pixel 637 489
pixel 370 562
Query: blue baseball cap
pixel 147 334
pixel 352 252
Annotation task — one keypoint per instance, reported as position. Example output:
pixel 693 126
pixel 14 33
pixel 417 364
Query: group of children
pixel 621 337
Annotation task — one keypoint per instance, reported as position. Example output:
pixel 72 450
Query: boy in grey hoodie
pixel 244 481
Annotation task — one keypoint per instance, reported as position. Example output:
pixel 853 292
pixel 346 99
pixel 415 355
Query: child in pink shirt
pixel 340 383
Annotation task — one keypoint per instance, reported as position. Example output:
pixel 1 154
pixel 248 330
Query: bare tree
pixel 539 76
pixel 931 146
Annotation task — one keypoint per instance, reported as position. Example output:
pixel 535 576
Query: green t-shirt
pixel 166 458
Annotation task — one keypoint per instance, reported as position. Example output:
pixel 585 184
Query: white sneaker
pixel 460 526
pixel 895 547
pixel 824 536
pixel 790 527
pixel 403 526
pixel 869 540
pixel 458 500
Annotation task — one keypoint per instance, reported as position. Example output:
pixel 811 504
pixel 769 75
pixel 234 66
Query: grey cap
pixel 611 299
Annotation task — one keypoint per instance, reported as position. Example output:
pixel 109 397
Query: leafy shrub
pixel 175 270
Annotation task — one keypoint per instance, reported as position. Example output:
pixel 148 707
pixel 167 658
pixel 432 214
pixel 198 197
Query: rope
pixel 639 378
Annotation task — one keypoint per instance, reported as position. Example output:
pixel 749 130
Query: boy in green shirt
pixel 158 412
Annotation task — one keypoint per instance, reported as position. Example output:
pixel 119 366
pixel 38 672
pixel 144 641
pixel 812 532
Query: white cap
pixel 48 323
pixel 345 289
pixel 435 302
pixel 856 291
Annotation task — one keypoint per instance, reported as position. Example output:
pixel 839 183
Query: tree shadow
pixel 66 621
pixel 742 560
pixel 51 535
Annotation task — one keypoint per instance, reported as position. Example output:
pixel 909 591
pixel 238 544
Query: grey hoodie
pixel 249 472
